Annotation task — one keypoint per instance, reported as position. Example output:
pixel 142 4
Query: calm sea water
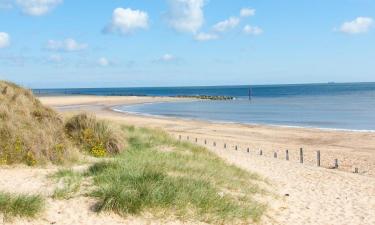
pixel 337 106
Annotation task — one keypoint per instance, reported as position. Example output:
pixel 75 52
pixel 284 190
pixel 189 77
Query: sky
pixel 130 43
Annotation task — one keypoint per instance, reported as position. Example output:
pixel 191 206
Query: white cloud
pixel 205 37
pixel 357 26
pixel 186 15
pixel 37 7
pixel 252 30
pixel 167 58
pixel 246 12
pixel 225 25
pixel 103 62
pixel 69 45
pixel 126 21
pixel 4 40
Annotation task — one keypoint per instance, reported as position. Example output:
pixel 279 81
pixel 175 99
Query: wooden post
pixel 179 137
pixel 236 148
pixel 196 140
pixel 225 145
pixel 205 141
pixel 275 155
pixel 214 144
pixel 287 155
pixel 301 155
pixel 336 163
pixel 318 158
pixel 248 150
pixel 188 138
pixel 261 152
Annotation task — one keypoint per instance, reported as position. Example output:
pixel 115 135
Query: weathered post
pixel 179 137
pixel 318 158
pixel 225 145
pixel 236 148
pixel 287 155
pixel 214 144
pixel 205 141
pixel 301 155
pixel 275 155
pixel 248 150
pixel 261 152
pixel 336 163
pixel 188 138
pixel 196 140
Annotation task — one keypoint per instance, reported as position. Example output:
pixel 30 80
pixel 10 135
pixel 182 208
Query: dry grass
pixel 29 132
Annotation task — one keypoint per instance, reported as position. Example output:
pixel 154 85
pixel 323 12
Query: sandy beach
pixel 306 194
pixel 309 194
pixel 352 149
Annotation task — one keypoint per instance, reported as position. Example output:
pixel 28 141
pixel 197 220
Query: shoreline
pixel 233 122
pixel 165 99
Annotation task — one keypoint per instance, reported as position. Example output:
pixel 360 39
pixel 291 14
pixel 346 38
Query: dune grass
pixel 12 205
pixel 160 175
pixel 69 183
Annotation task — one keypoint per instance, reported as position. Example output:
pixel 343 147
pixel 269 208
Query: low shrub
pixel 97 137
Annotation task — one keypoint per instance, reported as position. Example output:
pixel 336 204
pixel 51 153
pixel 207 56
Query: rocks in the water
pixel 207 97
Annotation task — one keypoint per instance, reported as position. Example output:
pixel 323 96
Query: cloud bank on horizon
pixel 181 20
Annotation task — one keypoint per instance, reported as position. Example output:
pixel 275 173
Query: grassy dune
pixel 34 134
pixel 160 175
pixel 30 133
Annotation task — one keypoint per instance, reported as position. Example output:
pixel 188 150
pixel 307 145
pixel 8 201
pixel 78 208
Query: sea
pixel 339 106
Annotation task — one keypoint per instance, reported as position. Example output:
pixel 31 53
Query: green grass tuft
pixel 69 183
pixel 12 205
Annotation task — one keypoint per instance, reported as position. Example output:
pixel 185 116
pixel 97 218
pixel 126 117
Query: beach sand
pixel 307 194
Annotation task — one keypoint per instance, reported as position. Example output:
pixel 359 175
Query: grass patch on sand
pixel 166 177
pixel 68 183
pixel 13 205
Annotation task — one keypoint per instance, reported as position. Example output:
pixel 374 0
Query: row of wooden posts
pixel 336 161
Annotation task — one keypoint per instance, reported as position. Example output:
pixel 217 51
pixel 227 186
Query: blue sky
pixel 112 43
